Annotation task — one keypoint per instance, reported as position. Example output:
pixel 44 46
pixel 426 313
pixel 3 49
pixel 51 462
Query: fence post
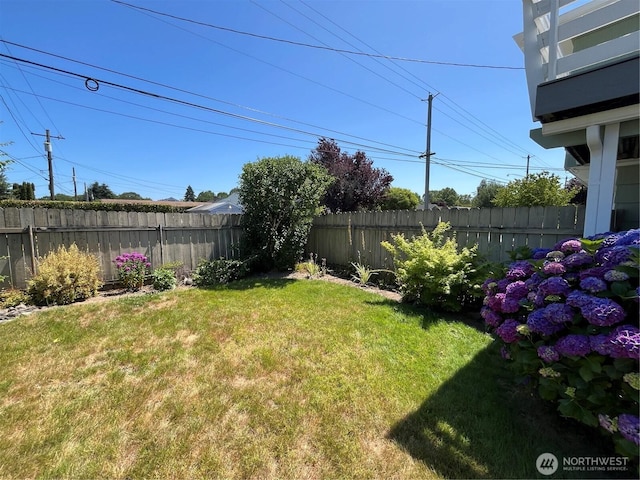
pixel 161 248
pixel 33 250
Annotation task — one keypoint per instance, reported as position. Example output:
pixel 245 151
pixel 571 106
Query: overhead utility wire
pixel 343 54
pixel 320 47
pixel 257 59
pixel 422 82
pixel 93 83
pixel 377 60
pixel 205 96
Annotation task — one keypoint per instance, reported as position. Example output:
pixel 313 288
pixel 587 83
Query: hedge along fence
pixel 341 238
pixel 29 233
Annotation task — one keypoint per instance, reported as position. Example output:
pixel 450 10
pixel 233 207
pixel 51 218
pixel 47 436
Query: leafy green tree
pixel 98 191
pixel 189 195
pixel 5 189
pixel 58 197
pixel 130 196
pixel 357 185
pixel 485 193
pixel 537 189
pixel 24 191
pixel 206 196
pixel 447 197
pixel 399 199
pixel 280 197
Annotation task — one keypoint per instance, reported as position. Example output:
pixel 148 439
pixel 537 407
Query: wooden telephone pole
pixel 49 150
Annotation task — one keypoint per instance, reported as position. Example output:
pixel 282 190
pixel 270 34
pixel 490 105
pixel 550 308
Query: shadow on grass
pixel 478 424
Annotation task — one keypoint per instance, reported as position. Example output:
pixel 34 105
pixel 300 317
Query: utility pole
pixel 49 150
pixel 528 158
pixel 428 152
pixel 75 188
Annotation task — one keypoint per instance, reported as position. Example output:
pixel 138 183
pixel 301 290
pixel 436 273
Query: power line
pixel 320 47
pixel 97 82
pixel 205 96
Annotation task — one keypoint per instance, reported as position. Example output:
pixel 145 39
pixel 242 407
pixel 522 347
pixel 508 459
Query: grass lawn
pixel 264 379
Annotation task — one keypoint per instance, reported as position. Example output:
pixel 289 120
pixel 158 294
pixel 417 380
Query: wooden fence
pixel 26 234
pixel 342 238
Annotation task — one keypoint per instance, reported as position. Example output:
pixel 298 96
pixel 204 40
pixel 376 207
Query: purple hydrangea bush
pixel 132 270
pixel 568 321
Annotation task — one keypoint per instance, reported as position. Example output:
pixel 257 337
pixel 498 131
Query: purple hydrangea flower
pixel 578 260
pixel 624 342
pixel 610 239
pixel 517 290
pixel 594 272
pixel 600 343
pixel 533 281
pixel 548 354
pixel 611 257
pixel 510 305
pixel 574 345
pixel 538 324
pixel 558 313
pixel 571 246
pixel 629 427
pixel 578 299
pixel 519 270
pixel 553 268
pixel 593 284
pixel 491 318
pixel 495 302
pixel 507 331
pixel 603 312
pixel 554 286
pixel 502 285
pixel 539 253
pixel 632 237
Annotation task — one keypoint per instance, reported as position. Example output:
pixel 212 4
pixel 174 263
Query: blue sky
pixel 252 98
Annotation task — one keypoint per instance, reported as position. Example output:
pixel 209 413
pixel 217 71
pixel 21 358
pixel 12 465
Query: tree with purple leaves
pixel 357 185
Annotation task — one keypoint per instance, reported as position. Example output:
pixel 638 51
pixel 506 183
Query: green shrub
pixel 132 269
pixel 65 276
pixel 164 278
pixel 430 270
pixel 12 297
pixel 219 271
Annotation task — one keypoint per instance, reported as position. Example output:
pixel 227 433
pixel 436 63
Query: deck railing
pixel 562 37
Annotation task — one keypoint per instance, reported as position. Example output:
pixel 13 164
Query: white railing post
pixel 553 39
pixel 532 56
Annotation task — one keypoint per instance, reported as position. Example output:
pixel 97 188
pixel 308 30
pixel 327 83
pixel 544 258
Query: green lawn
pixel 264 379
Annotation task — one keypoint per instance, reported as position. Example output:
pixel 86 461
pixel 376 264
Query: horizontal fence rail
pixel 350 237
pixel 27 234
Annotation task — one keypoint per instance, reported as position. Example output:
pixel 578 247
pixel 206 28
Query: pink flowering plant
pixel 568 321
pixel 132 269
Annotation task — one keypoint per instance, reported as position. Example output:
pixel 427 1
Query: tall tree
pixel 206 196
pixel 447 197
pixel 97 191
pixel 280 197
pixel 399 199
pixel 131 196
pixel 485 193
pixel 357 185
pixel 537 189
pixel 189 195
pixel 24 191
